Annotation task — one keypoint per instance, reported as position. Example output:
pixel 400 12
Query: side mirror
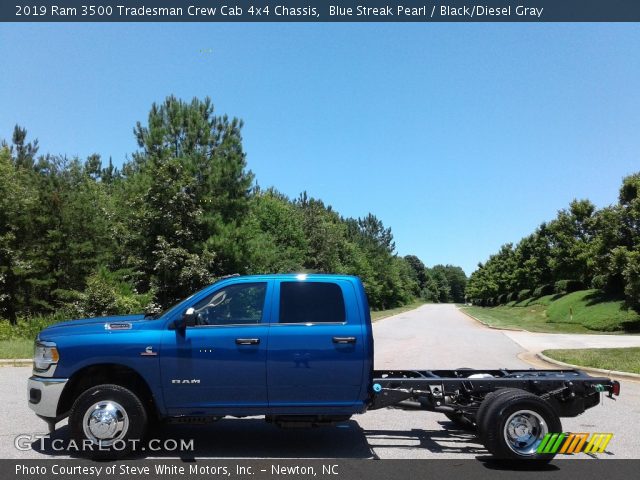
pixel 188 320
pixel 189 317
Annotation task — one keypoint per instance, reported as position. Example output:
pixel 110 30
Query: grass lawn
pixel 16 348
pixel 586 311
pixel 593 310
pixel 380 314
pixel 620 359
pixel 533 319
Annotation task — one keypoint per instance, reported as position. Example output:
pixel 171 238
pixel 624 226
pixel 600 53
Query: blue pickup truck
pixel 297 349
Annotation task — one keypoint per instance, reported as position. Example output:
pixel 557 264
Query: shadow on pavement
pixel 233 438
pixel 254 438
pixel 491 463
pixel 435 441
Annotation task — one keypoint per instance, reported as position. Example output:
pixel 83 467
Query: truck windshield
pixel 179 305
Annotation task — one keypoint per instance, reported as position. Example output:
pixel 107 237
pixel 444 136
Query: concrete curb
pixel 460 309
pixel 599 371
pixel 16 362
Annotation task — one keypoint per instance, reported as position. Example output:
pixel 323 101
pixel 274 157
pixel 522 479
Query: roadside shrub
pixel 28 327
pixel 632 279
pixel 524 294
pixel 512 297
pixel 599 282
pixel 568 286
pixel 110 293
pixel 543 290
pixel 502 299
pixel 6 330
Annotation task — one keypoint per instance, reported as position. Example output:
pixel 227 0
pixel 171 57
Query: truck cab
pixel 296 346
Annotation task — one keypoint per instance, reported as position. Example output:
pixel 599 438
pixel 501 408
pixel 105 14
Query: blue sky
pixel 461 137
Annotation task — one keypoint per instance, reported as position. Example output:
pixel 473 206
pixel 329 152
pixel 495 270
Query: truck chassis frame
pixel 570 392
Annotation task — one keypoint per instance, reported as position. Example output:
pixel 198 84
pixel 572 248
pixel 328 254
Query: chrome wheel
pixel 523 432
pixel 105 422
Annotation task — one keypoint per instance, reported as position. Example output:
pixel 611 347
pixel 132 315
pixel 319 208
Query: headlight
pixel 45 355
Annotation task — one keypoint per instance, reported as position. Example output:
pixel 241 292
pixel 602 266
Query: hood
pixel 88 325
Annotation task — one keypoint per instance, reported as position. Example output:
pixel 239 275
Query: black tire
pixel 123 425
pixel 488 399
pixel 519 413
pixel 460 421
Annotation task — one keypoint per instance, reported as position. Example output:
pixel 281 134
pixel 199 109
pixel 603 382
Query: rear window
pixel 311 302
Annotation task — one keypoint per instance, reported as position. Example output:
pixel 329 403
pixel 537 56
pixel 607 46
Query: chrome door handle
pixel 247 341
pixel 344 340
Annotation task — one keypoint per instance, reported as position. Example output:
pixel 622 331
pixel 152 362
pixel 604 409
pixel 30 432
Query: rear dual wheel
pixel 512 424
pixel 481 415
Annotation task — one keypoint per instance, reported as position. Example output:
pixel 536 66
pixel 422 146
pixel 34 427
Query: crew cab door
pixel 316 346
pixel 219 363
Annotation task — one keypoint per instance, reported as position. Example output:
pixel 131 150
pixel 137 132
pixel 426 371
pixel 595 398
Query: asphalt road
pixel 431 337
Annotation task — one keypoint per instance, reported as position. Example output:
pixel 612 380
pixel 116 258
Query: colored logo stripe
pixel 578 442
pixel 598 442
pixel 569 443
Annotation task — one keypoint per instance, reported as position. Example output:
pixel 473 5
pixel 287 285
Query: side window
pixel 237 304
pixel 311 302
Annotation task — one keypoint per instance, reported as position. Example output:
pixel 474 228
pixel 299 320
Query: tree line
pixel 583 247
pixel 82 238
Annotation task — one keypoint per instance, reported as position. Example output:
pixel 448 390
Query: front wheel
pixel 515 425
pixel 107 421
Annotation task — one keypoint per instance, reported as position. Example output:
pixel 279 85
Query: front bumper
pixel 44 394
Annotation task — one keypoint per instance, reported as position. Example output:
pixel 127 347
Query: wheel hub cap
pixel 524 430
pixel 104 422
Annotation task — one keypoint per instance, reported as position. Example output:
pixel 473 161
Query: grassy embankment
pixel 586 311
pixel 619 359
pixel 380 314
pixel 21 347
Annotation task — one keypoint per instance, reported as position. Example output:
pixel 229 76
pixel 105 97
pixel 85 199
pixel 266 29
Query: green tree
pixel 532 260
pixel 16 203
pixel 325 235
pixel 190 197
pixel 275 230
pixel 456 282
pixel 25 152
pixel 442 287
pixel 571 234
pixel 418 268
